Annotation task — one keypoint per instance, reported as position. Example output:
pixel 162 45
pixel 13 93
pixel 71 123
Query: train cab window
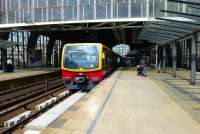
pixel 83 56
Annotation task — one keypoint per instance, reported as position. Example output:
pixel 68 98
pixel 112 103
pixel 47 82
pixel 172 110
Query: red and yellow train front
pixel 82 65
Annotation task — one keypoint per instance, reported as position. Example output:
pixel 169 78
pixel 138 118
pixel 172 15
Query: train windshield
pixel 85 57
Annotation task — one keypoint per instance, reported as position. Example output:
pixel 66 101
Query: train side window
pixel 103 56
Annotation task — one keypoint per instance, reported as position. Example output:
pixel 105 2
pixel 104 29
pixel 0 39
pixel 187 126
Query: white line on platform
pixel 43 121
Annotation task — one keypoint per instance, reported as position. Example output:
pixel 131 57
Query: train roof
pixel 74 44
pixel 95 44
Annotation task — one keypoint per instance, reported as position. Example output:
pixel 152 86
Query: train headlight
pixel 80 79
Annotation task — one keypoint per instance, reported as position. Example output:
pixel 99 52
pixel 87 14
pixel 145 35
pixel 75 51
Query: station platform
pixel 125 103
pixel 24 73
pixel 23 77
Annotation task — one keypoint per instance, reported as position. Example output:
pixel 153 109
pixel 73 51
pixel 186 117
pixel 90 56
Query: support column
pixel 193 59
pixel 129 8
pixel 164 59
pixel 78 10
pixel 147 8
pixel 18 51
pixel 95 9
pixel 50 47
pixel 165 7
pixel 174 59
pixel 62 10
pixel 156 57
pixel 32 42
pixel 112 9
pixel 4 36
pixel 4 58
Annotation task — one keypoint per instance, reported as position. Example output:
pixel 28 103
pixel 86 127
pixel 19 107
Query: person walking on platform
pixel 145 71
pixel 124 64
pixel 143 65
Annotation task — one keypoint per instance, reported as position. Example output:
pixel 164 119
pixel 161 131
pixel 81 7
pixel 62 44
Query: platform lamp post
pixel 193 59
pixel 174 59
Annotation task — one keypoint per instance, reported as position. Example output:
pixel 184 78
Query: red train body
pixel 86 64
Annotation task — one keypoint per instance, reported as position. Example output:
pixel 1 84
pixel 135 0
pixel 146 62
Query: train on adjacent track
pixel 84 65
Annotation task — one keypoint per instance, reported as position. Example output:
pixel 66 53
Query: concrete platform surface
pixel 180 90
pixel 24 73
pixel 125 103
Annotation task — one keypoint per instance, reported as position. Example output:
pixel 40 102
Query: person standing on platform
pixel 143 63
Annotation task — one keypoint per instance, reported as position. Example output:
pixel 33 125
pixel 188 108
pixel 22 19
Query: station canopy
pixel 5 44
pixel 168 29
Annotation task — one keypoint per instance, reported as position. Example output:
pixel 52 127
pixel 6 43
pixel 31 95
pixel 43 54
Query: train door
pixel 106 61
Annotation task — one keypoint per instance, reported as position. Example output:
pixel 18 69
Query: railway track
pixel 20 105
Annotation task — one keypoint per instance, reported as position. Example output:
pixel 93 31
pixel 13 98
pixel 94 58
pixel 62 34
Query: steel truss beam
pixel 166 32
pixel 173 26
pixel 185 2
pixel 158 35
pixel 156 41
pixel 156 38
pixel 171 30
pixel 179 21
pixel 184 14
pixel 195 7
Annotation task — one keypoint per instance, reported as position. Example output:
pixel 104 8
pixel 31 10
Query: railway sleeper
pixel 55 85
pixel 15 89
pixel 30 101
pixel 46 104
pixel 15 120
pixel 20 93
pixel 17 100
pixel 63 94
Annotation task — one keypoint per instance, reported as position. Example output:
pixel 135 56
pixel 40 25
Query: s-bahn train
pixel 85 64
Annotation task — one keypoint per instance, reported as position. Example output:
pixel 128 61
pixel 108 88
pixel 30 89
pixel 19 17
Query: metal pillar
pixel 174 59
pixel 49 53
pixel 95 9
pixel 156 57
pixel 147 8
pixel 78 10
pixel 32 42
pixel 112 9
pixel 193 59
pixel 23 50
pixel 164 59
pixel 4 36
pixel 18 52
pixel 129 8
pixel 4 58
pixel 56 60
